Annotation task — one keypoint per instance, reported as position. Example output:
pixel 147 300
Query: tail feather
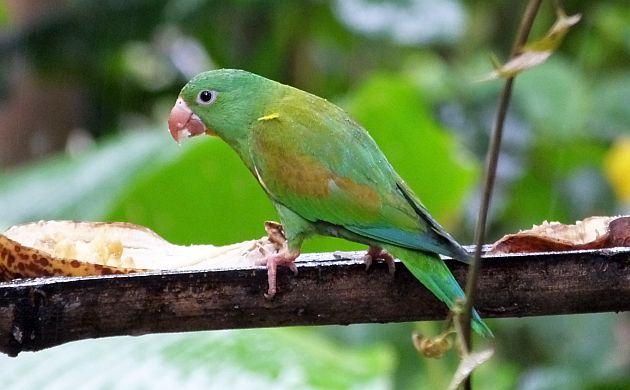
pixel 431 271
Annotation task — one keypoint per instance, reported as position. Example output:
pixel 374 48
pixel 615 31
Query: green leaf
pixel 556 99
pixel 609 116
pixel 80 187
pixel 285 358
pixel 205 196
pixel 548 190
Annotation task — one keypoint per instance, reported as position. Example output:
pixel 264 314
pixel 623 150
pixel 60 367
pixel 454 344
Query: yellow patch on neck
pixel 269 117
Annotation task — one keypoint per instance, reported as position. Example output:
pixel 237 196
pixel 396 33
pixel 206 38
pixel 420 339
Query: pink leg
pixel 377 253
pixel 284 257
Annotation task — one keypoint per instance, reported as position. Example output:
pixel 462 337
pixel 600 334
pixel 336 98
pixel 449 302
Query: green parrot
pixel 323 173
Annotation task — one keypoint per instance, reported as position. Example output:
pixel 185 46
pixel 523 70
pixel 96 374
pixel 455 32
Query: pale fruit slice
pixel 68 248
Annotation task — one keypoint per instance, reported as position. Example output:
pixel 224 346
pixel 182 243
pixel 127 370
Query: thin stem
pixel 490 175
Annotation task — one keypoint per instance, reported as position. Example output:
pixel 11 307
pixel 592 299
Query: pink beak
pixel 183 123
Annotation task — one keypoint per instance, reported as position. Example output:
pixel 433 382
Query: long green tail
pixel 431 271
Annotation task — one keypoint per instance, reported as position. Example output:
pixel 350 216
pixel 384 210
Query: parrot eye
pixel 207 97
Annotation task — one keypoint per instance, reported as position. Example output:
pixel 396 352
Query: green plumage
pixel 324 173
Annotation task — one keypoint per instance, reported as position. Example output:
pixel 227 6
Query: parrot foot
pixel 284 257
pixel 377 253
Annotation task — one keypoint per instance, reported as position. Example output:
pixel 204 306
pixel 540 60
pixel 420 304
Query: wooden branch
pixel 41 313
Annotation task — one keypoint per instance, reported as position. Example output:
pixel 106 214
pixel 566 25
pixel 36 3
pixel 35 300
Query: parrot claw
pixel 275 232
pixel 284 257
pixel 377 253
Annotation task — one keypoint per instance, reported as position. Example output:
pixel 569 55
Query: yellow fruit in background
pixel 617 168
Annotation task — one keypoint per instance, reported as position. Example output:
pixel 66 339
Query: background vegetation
pixel 86 87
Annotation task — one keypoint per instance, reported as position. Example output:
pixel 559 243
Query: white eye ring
pixel 207 96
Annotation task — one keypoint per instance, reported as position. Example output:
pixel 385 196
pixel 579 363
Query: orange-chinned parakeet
pixel 322 171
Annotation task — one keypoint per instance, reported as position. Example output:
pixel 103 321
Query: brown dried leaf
pixel 619 232
pixel 432 347
pixel 467 365
pixel 590 233
pixel 537 52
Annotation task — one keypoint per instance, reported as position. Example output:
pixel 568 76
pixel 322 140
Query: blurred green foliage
pixel 414 90
pixel 246 359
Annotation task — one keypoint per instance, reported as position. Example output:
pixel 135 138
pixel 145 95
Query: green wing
pixel 311 157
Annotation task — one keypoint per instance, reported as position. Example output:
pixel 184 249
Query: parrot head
pixel 219 102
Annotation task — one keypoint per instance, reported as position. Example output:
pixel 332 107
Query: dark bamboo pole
pixel 329 289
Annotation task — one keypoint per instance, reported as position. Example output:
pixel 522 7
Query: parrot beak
pixel 183 123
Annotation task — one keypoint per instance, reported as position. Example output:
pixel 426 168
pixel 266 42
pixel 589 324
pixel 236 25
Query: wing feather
pixel 314 159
